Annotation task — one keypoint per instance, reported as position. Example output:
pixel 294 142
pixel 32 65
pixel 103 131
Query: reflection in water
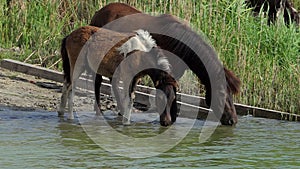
pixel 41 140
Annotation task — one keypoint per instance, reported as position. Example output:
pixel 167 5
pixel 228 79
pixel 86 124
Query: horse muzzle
pixel 228 122
pixel 165 120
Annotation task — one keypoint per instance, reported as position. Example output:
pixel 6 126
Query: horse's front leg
pixel 129 101
pixel 127 112
pixel 98 81
pixel 115 86
pixel 132 90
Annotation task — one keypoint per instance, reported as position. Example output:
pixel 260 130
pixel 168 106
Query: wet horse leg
pixel 121 96
pixel 116 90
pixel 67 95
pixel 74 76
pixel 70 103
pixel 129 101
pixel 98 81
pixel 63 102
pixel 132 90
pixel 113 96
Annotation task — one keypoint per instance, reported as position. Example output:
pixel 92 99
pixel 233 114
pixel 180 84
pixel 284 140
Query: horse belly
pixel 108 65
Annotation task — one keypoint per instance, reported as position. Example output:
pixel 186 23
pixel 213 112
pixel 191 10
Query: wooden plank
pixel 32 70
pixel 265 113
pixel 186 109
pixel 144 98
pixel 142 94
pixel 190 99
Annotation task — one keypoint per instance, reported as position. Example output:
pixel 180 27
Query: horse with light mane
pixel 102 51
pixel 187 44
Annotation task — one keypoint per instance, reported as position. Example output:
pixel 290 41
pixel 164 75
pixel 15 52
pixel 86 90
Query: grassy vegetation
pixel 266 58
pixel 296 3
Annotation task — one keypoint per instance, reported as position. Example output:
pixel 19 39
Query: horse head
pixel 157 66
pixel 169 115
pixel 165 82
pixel 229 116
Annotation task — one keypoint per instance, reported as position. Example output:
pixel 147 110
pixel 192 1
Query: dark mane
pixel 181 46
pixel 165 78
pixel 188 44
pixel 233 82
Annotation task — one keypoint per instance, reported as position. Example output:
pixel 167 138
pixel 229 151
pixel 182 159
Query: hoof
pixel 126 122
pixel 98 117
pixel 99 112
pixel 70 117
pixel 60 114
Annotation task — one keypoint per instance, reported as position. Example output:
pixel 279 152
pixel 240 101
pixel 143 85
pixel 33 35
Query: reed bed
pixel 265 57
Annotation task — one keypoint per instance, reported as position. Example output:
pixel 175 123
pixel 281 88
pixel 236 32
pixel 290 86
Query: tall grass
pixel 266 58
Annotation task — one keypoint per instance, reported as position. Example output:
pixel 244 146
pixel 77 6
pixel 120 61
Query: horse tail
pixel 233 82
pixel 65 59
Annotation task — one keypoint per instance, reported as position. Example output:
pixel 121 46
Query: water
pixel 41 140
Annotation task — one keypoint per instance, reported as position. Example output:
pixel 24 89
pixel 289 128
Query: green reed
pixel 265 57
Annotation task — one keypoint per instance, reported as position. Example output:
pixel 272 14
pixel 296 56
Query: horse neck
pixel 186 54
pixel 190 58
pixel 164 78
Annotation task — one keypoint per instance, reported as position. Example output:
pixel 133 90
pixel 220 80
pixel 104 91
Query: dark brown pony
pixel 101 51
pixel 112 12
pixel 273 8
pixel 173 35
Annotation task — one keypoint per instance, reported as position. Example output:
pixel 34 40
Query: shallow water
pixel 42 140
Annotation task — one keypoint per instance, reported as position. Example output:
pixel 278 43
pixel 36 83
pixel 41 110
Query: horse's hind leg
pixel 70 92
pixel 63 102
pixel 67 95
pixel 98 81
pixel 70 102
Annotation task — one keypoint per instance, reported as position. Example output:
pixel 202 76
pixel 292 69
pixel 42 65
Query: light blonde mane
pixel 142 41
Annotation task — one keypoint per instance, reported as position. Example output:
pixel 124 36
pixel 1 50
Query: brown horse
pixel 112 12
pixel 173 35
pixel 102 51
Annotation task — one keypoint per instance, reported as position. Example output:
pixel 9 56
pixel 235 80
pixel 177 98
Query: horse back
pixel 112 12
pixel 76 40
pixel 103 47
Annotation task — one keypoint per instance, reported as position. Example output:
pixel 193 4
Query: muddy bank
pixel 24 92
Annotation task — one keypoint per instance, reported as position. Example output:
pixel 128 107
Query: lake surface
pixel 42 140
